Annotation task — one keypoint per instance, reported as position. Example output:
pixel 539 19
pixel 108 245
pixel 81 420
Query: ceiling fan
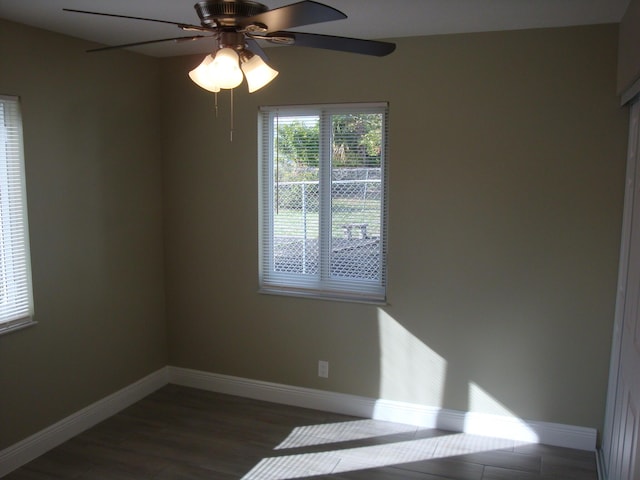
pixel 237 25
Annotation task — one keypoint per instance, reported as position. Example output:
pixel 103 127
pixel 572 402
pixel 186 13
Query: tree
pixel 298 141
pixel 355 141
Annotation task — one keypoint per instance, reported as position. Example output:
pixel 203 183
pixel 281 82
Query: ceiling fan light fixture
pixel 202 75
pixel 219 71
pixel 226 68
pixel 256 71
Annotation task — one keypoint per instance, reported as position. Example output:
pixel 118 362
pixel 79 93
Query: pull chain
pixel 231 126
pixel 215 106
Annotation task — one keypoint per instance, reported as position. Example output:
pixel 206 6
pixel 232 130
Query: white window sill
pixel 321 295
pixel 15 325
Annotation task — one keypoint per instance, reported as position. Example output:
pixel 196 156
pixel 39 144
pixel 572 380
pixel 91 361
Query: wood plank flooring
pixel 180 433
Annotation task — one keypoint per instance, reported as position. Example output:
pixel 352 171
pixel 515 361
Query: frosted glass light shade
pixel 257 73
pixel 203 75
pixel 226 68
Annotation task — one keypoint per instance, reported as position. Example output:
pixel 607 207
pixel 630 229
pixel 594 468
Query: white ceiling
pixel 366 18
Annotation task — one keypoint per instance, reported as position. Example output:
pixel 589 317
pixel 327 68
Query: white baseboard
pixel 560 435
pixel 32 447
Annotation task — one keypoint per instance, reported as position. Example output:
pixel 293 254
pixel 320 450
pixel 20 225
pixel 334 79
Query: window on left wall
pixel 16 298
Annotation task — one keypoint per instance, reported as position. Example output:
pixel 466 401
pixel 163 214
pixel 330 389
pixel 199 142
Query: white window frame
pixel 322 285
pixel 16 297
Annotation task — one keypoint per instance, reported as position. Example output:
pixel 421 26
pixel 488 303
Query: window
pixel 323 201
pixel 16 303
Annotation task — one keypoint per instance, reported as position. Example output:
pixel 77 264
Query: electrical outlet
pixel 323 368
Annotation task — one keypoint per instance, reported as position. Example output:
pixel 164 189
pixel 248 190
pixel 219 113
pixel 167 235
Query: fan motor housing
pixel 224 13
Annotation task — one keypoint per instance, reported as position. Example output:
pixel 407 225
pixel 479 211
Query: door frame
pixel 606 452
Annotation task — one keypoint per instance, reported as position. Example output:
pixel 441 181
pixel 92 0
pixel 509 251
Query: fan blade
pixel 255 47
pixel 330 42
pixel 175 39
pixel 294 15
pixel 183 26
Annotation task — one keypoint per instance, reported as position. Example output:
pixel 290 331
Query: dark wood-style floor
pixel 181 433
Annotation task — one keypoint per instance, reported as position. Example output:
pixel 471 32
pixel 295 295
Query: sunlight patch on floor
pixel 411 370
pixel 341 432
pixel 383 454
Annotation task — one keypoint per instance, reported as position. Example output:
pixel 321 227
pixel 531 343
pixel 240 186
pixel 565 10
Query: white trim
pixel 314 107
pixel 32 447
pixel 608 442
pixel 569 436
pixel 630 93
pixel 273 392
pixel 15 325
pixel 600 465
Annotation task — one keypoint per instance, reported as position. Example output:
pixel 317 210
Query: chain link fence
pixel 356 214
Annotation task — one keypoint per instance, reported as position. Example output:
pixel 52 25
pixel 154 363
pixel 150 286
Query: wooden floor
pixel 182 433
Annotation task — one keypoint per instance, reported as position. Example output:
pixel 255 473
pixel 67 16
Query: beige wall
pixel 629 47
pixel 506 182
pixel 92 151
pixel 507 155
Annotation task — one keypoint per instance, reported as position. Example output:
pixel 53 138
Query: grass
pixel 290 221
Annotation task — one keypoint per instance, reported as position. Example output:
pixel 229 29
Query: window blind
pixel 323 207
pixel 16 300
